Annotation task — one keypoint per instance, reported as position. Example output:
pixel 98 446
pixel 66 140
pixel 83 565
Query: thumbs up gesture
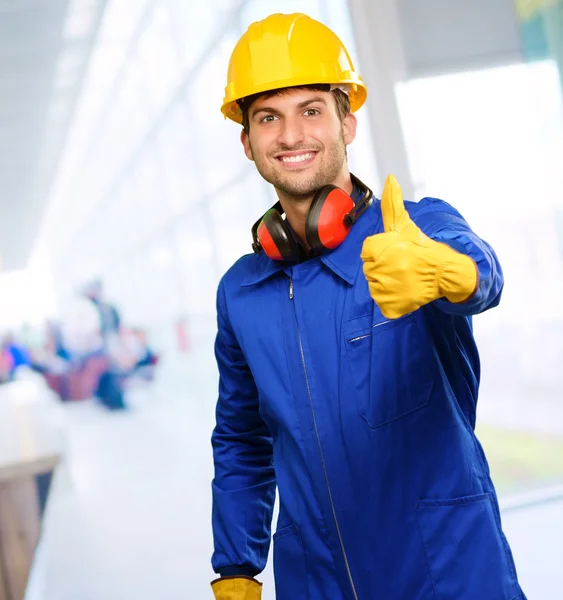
pixel 406 269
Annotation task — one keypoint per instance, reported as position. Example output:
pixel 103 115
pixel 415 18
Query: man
pixel 109 388
pixel 110 320
pixel 348 368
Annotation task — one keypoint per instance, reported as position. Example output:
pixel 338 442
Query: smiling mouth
pixel 296 159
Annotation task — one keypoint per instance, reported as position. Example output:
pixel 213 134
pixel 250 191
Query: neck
pixel 296 208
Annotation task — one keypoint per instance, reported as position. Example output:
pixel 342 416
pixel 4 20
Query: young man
pixel 348 368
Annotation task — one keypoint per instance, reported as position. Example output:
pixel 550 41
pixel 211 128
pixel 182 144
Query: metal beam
pixel 381 62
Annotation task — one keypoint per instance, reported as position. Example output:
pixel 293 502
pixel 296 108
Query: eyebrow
pixel 275 111
pixel 311 101
pixel 268 109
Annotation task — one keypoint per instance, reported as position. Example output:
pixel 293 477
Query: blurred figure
pixel 19 354
pixel 80 328
pixel 55 342
pixel 6 365
pixel 110 385
pixel 90 354
pixel 110 319
pixel 142 357
pixel 52 357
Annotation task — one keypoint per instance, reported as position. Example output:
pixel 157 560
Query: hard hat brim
pixel 357 94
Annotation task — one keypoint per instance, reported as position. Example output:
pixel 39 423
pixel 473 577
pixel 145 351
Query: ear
pixel 349 125
pixel 245 140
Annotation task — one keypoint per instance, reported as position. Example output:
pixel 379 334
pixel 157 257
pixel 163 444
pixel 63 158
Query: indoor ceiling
pixel 44 50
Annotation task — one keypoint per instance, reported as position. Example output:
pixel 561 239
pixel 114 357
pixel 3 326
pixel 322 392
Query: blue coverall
pixel 365 424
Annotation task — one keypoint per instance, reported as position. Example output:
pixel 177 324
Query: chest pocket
pixel 390 367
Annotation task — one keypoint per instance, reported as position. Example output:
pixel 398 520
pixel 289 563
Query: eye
pixel 267 119
pixel 312 112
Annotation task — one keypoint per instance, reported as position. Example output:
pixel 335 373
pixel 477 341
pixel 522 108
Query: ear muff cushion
pixel 325 228
pixel 275 239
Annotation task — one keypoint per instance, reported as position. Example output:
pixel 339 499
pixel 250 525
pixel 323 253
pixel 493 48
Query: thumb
pixel 393 211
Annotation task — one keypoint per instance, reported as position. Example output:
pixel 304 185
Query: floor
pixel 129 512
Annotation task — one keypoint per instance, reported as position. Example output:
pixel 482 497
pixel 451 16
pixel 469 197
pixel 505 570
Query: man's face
pixel 298 141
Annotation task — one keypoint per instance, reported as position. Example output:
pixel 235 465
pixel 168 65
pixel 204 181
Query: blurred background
pixel 124 196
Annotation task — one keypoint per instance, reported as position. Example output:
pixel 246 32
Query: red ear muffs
pixel 331 215
pixel 272 235
pixel 326 226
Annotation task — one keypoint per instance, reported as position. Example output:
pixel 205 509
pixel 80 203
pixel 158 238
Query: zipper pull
pixel 291 288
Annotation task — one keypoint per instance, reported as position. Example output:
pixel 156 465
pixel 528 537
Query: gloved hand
pixel 237 588
pixel 406 269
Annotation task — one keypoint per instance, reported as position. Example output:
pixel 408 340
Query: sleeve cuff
pixel 238 571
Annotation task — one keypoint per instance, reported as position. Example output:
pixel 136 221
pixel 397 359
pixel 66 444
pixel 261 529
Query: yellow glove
pixel 237 588
pixel 406 269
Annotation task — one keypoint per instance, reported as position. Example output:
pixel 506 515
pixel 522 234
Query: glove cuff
pixel 457 276
pixel 239 587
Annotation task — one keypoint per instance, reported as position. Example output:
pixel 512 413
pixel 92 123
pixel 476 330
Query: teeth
pixel 299 158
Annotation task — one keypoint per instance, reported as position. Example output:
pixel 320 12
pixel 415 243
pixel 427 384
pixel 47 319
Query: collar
pixel 261 268
pixel 343 261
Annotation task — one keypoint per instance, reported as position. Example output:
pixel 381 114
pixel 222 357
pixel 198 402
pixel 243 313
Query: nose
pixel 291 132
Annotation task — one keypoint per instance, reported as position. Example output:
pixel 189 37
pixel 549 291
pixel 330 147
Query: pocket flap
pixel 357 326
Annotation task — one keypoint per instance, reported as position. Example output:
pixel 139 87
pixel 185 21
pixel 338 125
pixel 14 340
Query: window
pixel 490 142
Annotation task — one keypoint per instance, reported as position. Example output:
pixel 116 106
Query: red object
pixel 182 336
pixel 81 382
pixel 267 240
pixel 331 215
pixel 326 218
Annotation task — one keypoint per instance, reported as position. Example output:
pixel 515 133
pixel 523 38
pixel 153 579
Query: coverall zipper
pixel 348 570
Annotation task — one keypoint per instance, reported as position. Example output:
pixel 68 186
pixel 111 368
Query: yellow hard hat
pixel 284 51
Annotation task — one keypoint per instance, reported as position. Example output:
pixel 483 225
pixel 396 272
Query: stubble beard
pixel 303 189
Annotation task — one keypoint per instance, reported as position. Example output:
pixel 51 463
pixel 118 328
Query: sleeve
pixel 244 484
pixel 443 223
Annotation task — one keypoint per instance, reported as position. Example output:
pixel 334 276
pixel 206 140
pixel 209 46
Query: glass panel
pixel 158 293
pixel 219 151
pixel 196 24
pixel 197 252
pixel 196 327
pixel 158 59
pixel 121 19
pixel 491 142
pixel 233 213
pixel 134 117
pixel 256 10
pixel 178 157
pixel 147 194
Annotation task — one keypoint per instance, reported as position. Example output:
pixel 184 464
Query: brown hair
pixel 341 98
